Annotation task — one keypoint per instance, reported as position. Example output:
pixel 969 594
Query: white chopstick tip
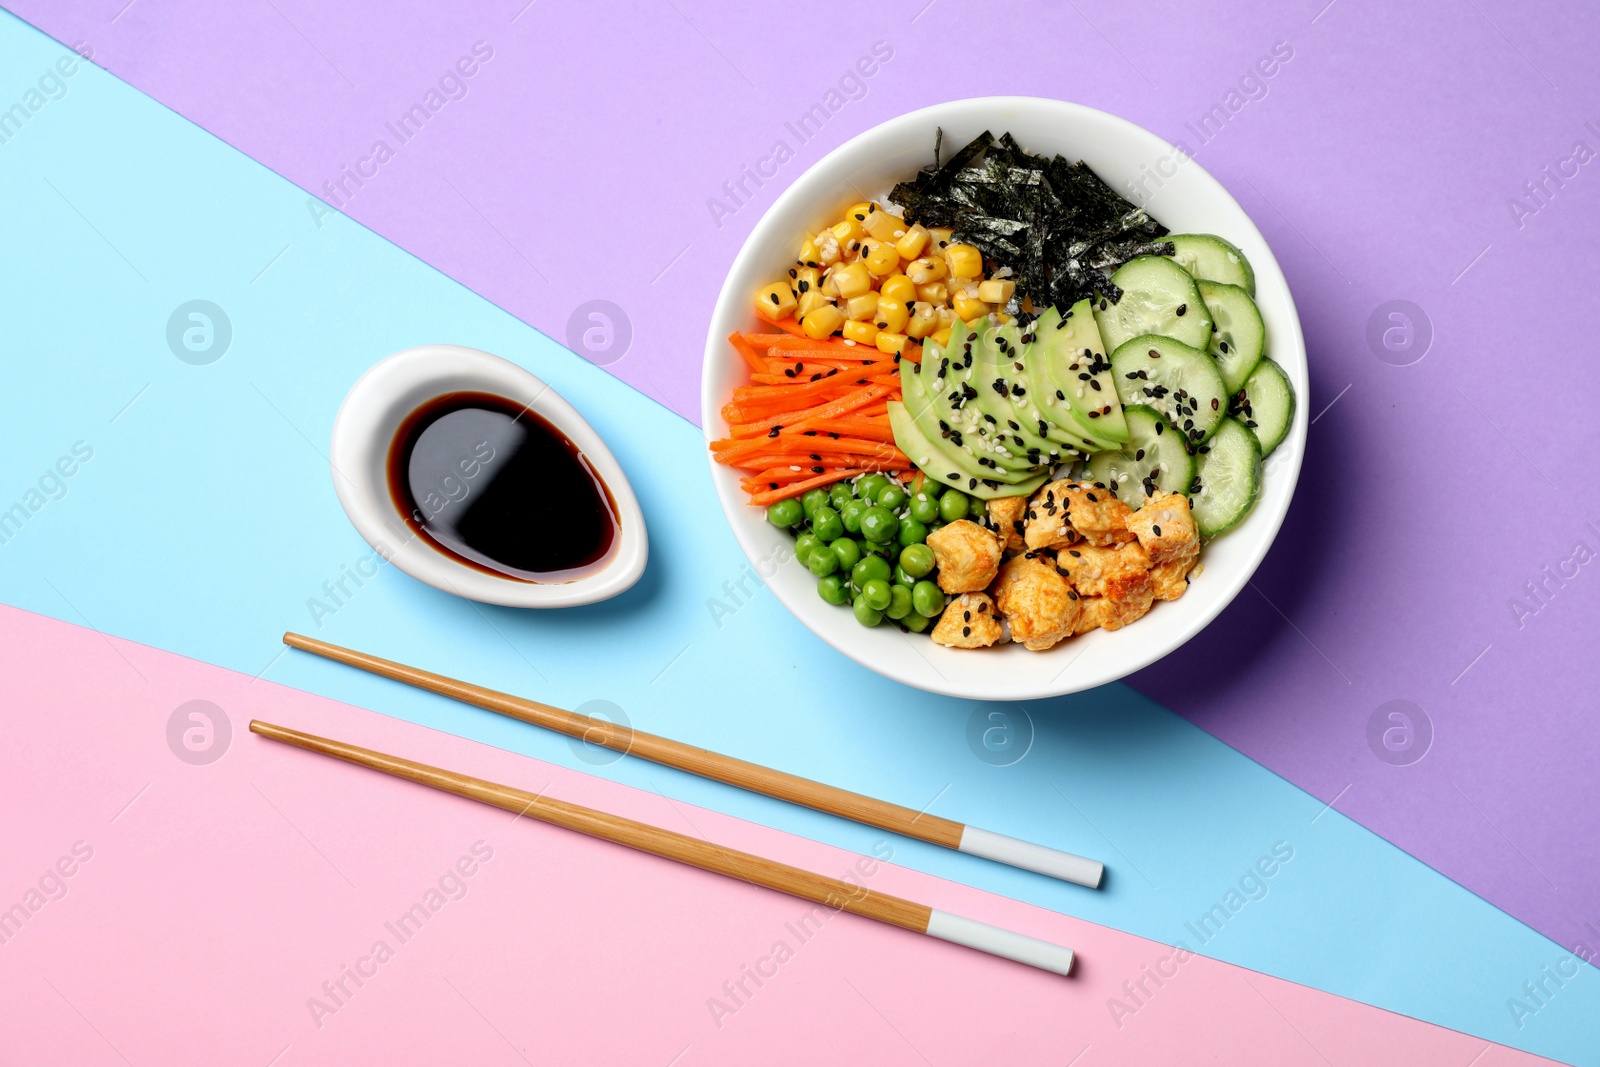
pixel 1031 857
pixel 997 942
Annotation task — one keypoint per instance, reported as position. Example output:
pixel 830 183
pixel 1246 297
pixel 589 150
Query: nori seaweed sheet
pixel 1056 224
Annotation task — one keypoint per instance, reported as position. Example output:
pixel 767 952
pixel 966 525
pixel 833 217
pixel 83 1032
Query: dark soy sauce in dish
pixel 492 484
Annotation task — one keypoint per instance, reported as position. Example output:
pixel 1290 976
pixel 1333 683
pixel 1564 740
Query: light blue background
pixel 207 519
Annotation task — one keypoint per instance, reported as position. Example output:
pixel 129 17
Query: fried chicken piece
pixel 1166 529
pixel 969 621
pixel 1036 601
pixel 1169 581
pixel 1006 516
pixel 1092 567
pixel 968 556
pixel 1066 511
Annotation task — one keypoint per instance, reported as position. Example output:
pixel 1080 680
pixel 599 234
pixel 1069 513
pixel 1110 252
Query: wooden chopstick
pixel 729 769
pixel 831 892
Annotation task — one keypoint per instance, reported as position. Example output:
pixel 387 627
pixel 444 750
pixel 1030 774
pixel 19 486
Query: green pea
pixel 869 486
pixel 870 568
pixel 804 545
pixel 822 561
pixel 924 508
pixel 892 496
pixel 848 551
pixel 813 500
pixel 916 622
pixel 826 523
pixel 851 514
pixel 953 505
pixel 877 593
pixel 879 525
pixel 785 513
pixel 912 532
pixel 834 589
pixel 901 577
pixel 839 495
pixel 917 560
pixel 866 614
pixel 927 598
pixel 899 602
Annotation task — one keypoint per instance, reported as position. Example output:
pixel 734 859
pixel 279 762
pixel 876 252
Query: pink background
pixel 235 889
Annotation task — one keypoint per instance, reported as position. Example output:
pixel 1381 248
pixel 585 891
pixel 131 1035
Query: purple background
pixel 1381 163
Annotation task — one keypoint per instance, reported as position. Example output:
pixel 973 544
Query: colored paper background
pixel 205 522
pixel 242 885
pixel 1381 159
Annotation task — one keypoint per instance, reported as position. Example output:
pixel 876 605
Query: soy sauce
pixel 497 487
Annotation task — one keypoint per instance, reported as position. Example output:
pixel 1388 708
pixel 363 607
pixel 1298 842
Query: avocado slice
pixel 1068 358
pixel 951 466
pixel 998 358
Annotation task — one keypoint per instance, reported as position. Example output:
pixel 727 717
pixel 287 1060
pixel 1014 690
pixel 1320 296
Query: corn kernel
pixel 881 259
pixel 1001 318
pixel 965 261
pixel 846 231
pixel 859 211
pixel 891 342
pixel 925 270
pixel 883 225
pixel 963 286
pixel 924 320
pixel 898 287
pixel 808 251
pixel 968 308
pixel 853 280
pixel 815 298
pixel 939 237
pixel 805 280
pixel 996 290
pixel 861 307
pixel 775 302
pixel 947 318
pixel 827 249
pixel 935 293
pixel 821 321
pixel 942 337
pixel 911 245
pixel 891 315
pixel 862 333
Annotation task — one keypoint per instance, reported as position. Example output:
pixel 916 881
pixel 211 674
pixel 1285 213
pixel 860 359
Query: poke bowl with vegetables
pixel 1015 383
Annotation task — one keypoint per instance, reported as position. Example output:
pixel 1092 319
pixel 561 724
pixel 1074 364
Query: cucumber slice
pixel 1159 297
pixel 1265 405
pixel 1183 384
pixel 1155 460
pixel 1228 472
pixel 1209 258
pixel 1238 336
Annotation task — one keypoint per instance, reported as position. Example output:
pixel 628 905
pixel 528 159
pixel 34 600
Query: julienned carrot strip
pixel 778 476
pixel 763 460
pixel 781 449
pixel 730 450
pixel 790 326
pixel 772 496
pixel 746 350
pixel 833 409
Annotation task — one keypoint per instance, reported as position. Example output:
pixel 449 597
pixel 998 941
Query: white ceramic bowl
pixel 365 429
pixel 1186 199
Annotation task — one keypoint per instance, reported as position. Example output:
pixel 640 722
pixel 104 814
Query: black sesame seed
pixel 1155 529
pixel 1182 308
